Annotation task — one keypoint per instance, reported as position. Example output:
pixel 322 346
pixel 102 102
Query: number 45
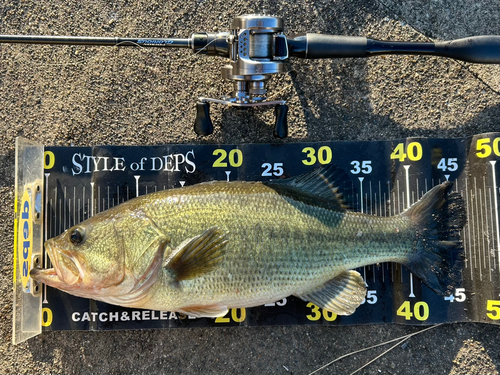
pixel 448 164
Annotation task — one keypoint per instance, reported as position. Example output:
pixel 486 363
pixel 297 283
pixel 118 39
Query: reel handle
pixel 281 124
pixel 203 124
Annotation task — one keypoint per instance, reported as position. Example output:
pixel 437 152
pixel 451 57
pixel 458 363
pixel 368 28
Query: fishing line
pixel 379 356
pixel 128 43
pixel 400 340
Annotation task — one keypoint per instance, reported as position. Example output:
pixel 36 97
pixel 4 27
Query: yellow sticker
pixel 25 237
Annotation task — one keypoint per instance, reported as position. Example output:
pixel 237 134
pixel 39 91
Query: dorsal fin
pixel 330 183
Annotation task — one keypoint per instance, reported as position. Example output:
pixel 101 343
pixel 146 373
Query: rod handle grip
pixel 484 49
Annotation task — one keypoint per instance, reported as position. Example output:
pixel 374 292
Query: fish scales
pixel 277 246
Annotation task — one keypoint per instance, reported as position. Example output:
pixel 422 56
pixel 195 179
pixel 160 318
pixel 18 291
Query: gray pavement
pixel 89 95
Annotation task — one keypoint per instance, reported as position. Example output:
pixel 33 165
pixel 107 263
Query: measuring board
pixel 387 177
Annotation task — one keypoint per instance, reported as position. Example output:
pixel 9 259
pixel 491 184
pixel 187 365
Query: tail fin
pixel 438 217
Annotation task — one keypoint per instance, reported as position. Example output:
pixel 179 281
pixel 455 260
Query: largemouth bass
pixel 206 248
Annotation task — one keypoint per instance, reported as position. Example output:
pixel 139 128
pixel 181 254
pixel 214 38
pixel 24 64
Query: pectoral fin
pixel 342 295
pixel 198 255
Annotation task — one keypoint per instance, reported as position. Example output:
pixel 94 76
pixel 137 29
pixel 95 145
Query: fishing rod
pixel 257 49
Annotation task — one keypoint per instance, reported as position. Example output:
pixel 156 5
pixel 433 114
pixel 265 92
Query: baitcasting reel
pixel 257 48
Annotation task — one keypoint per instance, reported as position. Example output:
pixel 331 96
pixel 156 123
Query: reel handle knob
pixel 281 125
pixel 202 124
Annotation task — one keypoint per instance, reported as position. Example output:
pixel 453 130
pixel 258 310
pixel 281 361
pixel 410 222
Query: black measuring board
pixel 387 177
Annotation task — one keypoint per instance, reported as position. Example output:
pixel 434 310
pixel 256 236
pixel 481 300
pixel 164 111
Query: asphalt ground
pixel 76 95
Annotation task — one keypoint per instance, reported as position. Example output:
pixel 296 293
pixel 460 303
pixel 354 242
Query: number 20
pixel 235 158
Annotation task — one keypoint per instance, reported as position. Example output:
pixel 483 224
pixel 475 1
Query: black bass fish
pixel 206 248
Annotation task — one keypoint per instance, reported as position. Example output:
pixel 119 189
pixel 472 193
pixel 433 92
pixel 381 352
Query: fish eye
pixel 77 236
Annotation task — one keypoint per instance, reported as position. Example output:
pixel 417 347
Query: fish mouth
pixel 65 271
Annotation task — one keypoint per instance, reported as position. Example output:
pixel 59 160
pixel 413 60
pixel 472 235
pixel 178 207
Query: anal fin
pixel 341 295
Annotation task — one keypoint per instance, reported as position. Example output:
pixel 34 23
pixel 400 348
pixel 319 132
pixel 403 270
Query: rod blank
pixel 96 41
pixel 477 49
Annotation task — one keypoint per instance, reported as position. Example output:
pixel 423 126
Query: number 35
pixel 364 167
